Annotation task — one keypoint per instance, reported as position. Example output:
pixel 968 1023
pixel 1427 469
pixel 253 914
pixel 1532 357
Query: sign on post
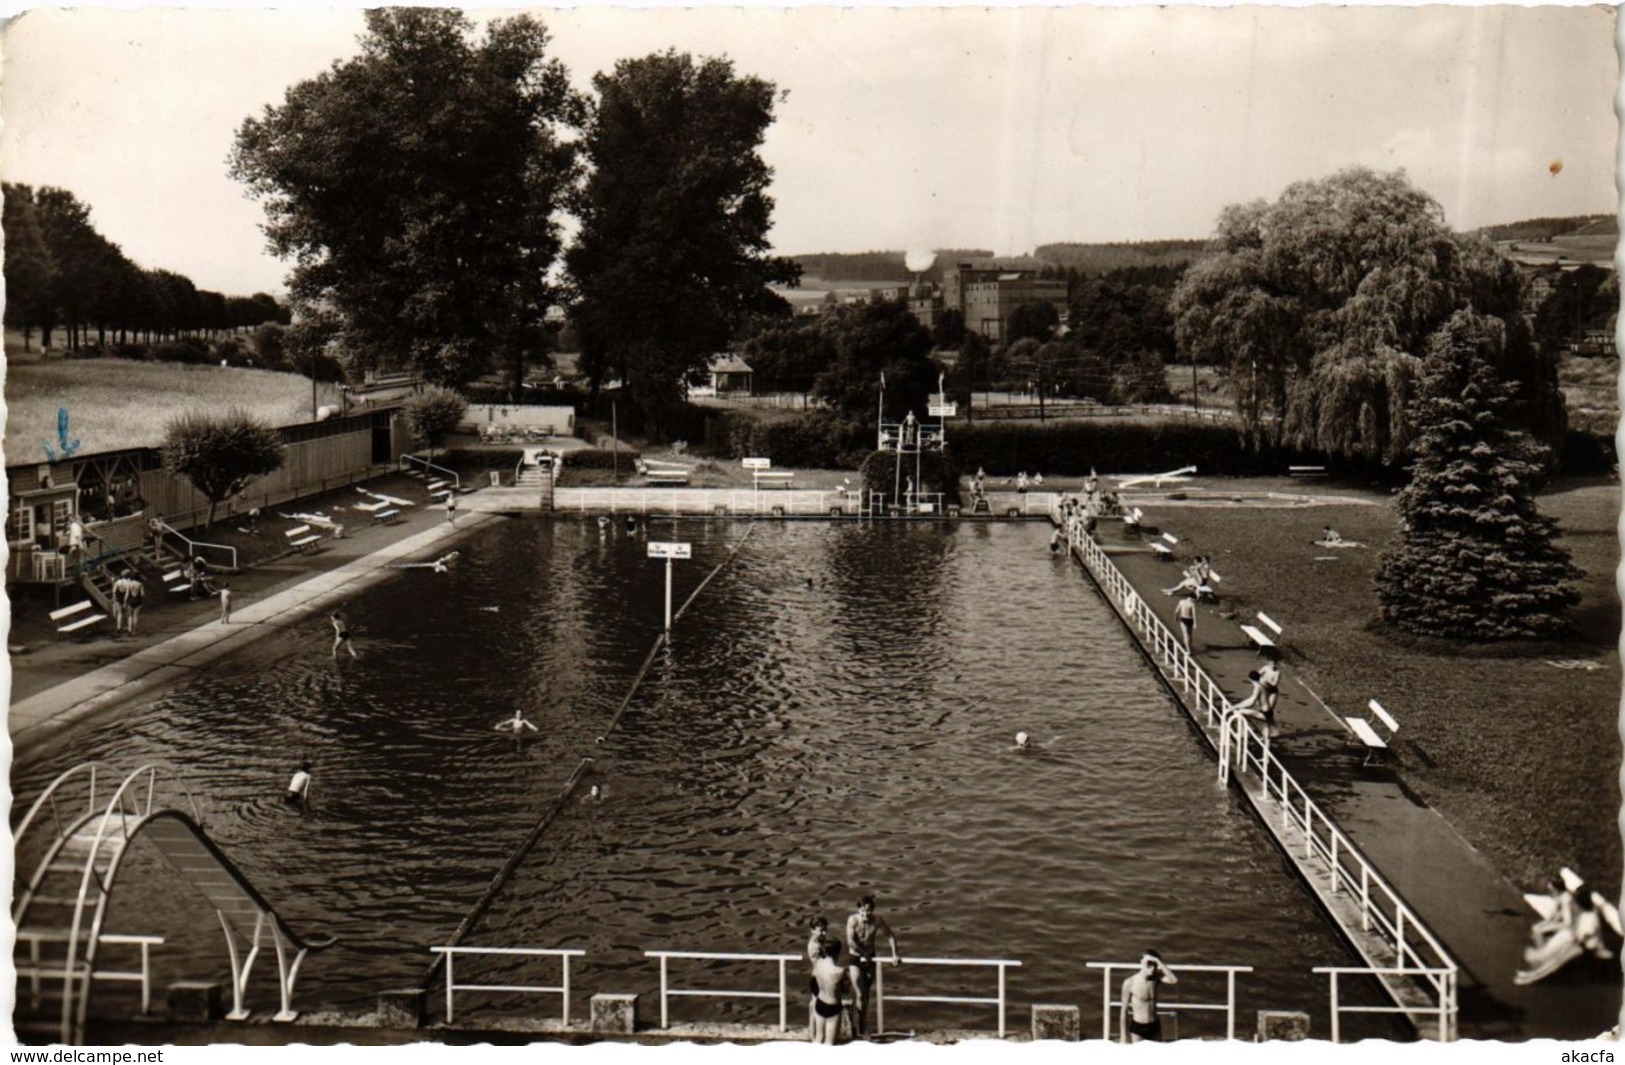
pixel 660 550
pixel 942 410
pixel 756 464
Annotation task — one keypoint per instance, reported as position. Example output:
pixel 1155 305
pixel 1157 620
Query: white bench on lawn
pixel 1258 636
pixel 1374 744
pixel 773 478
pixel 80 615
pixel 302 538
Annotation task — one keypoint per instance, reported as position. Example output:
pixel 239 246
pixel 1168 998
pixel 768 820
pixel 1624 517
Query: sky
pixel 1000 128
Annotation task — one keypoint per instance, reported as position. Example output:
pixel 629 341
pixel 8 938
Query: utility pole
pixel 615 434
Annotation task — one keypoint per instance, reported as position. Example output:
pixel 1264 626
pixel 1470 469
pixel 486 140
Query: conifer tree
pixel 1474 558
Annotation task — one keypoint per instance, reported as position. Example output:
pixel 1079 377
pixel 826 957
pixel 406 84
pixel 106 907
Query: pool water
pixel 835 718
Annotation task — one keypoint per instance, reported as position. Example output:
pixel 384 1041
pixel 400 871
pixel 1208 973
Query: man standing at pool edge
pixel 1140 998
pixel 861 929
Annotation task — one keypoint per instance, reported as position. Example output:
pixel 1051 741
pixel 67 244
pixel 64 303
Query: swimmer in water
pixel 299 786
pixel 603 522
pixel 443 563
pixel 1021 741
pixel 516 724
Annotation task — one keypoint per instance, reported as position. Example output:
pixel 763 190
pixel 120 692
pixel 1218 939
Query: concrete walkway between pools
pixel 1479 916
pixel 38 718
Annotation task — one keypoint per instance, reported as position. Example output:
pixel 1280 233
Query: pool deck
pixel 292 591
pixel 1479 916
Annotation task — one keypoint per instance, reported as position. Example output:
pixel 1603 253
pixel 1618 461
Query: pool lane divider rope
pixel 508 868
pixel 661 641
pixel 472 919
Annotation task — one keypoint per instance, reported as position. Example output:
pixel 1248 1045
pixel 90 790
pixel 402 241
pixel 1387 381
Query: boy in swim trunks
pixel 861 929
pixel 1140 998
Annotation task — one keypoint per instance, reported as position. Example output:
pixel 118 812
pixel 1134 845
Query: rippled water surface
pixel 836 718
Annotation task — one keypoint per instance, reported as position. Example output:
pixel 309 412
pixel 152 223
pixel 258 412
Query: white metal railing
pixel 1419 952
pixel 1438 976
pixel 36 969
pixel 562 989
pixel 160 527
pixel 980 963
pixel 408 460
pixel 714 501
pixel 1107 1004
pixel 667 992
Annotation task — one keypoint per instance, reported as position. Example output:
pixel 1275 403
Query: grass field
pixel 1521 755
pixel 115 403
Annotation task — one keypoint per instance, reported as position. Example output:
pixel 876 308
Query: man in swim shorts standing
pixel 1140 998
pixel 861 929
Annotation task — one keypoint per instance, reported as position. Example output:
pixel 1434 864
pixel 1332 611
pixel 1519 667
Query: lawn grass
pixel 115 403
pixel 1522 757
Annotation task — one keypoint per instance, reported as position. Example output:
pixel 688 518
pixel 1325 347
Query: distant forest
pixel 1086 259
pixel 1091 259
pixel 879 265
pixel 1596 225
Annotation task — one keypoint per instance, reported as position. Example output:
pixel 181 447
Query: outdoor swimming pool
pixel 802 744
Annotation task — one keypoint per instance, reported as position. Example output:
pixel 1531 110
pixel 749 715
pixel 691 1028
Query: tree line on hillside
pixel 62 274
pixel 1541 229
pixel 883 265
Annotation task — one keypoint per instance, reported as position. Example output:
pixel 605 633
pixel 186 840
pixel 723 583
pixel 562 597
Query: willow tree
pixel 1474 558
pixel 1320 306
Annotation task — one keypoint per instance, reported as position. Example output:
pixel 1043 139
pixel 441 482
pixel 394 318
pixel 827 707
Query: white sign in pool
pixel 756 464
pixel 660 550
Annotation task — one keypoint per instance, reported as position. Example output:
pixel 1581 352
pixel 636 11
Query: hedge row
pixel 594 458
pixel 1074 448
pixel 806 442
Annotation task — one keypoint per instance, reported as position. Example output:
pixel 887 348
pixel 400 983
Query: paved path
pixel 1479 916
pixel 37 718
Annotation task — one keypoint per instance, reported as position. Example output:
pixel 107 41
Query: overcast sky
pixel 1000 128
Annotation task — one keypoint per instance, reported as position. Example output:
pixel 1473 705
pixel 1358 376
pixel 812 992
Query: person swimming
pixel 516 724
pixel 1021 741
pixel 443 563
pixel 299 786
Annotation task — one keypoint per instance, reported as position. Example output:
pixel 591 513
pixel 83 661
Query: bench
pixel 302 538
pixel 175 581
pixel 85 607
pixel 665 474
pixel 386 517
pixel 1256 636
pixel 436 485
pixel 1306 471
pixel 1163 552
pixel 774 478
pixel 1374 744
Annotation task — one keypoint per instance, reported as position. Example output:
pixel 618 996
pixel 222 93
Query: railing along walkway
pixel 1107 1004
pixel 562 988
pixel 1418 954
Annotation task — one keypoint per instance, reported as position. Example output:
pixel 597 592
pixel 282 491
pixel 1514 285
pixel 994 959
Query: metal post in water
pixel 668 598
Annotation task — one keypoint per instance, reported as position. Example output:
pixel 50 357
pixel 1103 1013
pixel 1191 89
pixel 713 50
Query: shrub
pixel 593 458
pixel 937 470
pixel 1073 448
pixel 806 441
pixel 188 350
pixel 220 453
pixel 433 413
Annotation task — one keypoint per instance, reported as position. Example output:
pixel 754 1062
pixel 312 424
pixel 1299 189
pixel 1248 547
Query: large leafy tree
pixel 1321 304
pixel 672 251
pixel 29 266
pixel 415 188
pixel 220 453
pixel 1474 558
pixel 433 413
pixel 871 342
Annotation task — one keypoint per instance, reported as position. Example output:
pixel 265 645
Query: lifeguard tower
pixel 908 440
